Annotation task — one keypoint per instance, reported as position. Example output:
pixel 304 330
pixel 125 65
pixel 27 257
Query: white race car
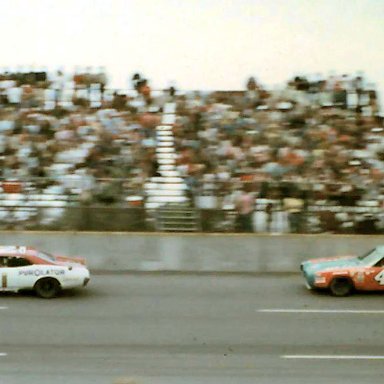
pixel 28 268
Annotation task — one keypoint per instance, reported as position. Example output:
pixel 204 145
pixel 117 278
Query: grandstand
pixel 308 157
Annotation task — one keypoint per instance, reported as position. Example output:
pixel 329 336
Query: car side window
pixel 18 262
pixel 380 263
pixel 3 261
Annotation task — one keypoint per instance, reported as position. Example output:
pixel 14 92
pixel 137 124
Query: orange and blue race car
pixel 343 275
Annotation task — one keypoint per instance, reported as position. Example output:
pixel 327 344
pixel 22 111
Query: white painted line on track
pixel 333 357
pixel 3 354
pixel 348 311
pixel 3 308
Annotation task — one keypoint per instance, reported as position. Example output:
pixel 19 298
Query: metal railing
pixel 27 205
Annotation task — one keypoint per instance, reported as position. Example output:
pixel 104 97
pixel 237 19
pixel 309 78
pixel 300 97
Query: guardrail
pixel 128 218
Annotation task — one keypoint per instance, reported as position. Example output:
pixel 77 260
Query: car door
pixel 375 276
pixel 19 273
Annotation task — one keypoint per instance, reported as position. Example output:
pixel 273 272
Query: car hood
pixel 315 265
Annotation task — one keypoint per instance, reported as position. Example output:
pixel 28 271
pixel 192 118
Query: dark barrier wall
pixel 193 253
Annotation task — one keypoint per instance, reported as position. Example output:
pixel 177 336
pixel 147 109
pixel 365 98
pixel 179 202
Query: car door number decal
pixel 380 277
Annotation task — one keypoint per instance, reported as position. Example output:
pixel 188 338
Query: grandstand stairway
pixel 177 218
pixel 166 195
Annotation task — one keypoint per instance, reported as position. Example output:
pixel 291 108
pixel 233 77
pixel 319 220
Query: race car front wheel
pixel 47 288
pixel 341 286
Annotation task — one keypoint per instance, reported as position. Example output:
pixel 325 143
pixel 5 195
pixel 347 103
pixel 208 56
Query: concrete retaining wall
pixel 192 253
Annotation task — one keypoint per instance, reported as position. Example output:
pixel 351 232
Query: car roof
pixel 17 250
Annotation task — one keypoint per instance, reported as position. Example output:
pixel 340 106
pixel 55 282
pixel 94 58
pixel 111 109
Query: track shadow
pixel 327 293
pixel 73 294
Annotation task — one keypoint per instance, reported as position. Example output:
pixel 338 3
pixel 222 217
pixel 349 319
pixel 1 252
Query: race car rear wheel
pixel 47 288
pixel 341 286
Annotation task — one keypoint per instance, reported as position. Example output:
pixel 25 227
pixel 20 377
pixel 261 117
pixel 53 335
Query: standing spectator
pixel 358 84
pixel 244 204
pixel 102 79
pixel 59 86
pixel 136 78
pixel 294 207
pixel 144 90
pixel 269 213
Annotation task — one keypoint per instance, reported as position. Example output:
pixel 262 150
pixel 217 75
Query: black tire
pixel 341 286
pixel 47 288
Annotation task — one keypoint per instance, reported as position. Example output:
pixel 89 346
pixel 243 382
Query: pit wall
pixel 119 252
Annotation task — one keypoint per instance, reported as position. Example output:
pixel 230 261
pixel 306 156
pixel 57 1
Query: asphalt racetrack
pixel 211 329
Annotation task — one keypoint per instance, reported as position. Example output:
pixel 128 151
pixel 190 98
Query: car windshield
pixel 46 256
pixel 371 257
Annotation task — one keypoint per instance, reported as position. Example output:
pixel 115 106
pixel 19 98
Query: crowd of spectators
pixel 315 141
pixel 73 134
